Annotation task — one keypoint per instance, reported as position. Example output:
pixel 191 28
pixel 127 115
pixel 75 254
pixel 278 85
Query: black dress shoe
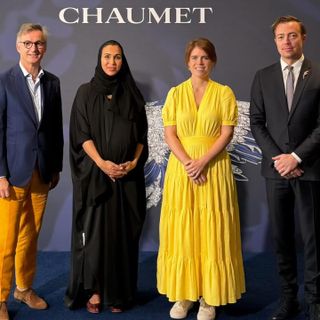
pixel 313 312
pixel 287 309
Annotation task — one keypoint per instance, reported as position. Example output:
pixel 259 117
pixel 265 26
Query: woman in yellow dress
pixel 200 246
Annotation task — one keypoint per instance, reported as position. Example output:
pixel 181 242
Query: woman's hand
pixel 129 165
pixel 112 170
pixel 117 171
pixel 200 180
pixel 196 170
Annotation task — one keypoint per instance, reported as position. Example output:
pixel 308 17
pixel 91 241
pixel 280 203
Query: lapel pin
pixel 305 74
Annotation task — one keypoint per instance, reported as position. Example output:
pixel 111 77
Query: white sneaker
pixel 206 312
pixel 180 309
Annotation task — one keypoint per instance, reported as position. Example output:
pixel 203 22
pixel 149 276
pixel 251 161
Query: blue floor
pixel 52 277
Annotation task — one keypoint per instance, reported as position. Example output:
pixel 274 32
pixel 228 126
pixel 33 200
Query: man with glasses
pixel 285 121
pixel 31 146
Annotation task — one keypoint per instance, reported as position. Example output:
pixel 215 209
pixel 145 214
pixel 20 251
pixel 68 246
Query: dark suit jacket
pixel 25 143
pixel 276 130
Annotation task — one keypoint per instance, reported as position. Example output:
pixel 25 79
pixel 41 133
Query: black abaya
pixel 107 216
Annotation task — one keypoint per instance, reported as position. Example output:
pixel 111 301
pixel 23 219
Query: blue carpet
pixel 52 277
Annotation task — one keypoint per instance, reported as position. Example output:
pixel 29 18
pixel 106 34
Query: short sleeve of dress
pixel 229 107
pixel 169 109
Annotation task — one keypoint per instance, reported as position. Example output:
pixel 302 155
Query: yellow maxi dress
pixel 200 246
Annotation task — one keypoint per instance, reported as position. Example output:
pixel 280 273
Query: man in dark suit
pixel 285 121
pixel 31 147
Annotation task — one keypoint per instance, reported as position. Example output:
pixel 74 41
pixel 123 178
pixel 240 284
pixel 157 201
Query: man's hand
pixel 285 164
pixel 4 188
pixel 297 172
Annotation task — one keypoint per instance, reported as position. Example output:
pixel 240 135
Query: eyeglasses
pixel 29 44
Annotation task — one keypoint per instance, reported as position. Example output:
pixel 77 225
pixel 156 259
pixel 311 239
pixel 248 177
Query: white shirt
pixel 35 90
pixel 296 71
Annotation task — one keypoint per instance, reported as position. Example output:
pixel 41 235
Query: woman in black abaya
pixel 108 149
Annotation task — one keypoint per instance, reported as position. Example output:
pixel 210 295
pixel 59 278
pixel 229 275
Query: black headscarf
pixel 94 118
pixel 106 85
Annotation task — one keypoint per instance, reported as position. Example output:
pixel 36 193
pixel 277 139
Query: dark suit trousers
pixel 285 198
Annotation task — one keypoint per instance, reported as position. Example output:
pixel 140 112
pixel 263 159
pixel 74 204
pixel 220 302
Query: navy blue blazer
pixel 276 130
pixel 24 142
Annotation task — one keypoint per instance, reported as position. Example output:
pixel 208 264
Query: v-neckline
pixel 197 107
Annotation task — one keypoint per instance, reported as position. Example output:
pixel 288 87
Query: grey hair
pixel 28 27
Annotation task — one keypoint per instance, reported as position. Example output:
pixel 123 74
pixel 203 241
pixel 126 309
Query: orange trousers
pixel 20 223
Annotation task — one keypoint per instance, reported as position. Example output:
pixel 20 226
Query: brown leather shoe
pixel 30 298
pixel 4 315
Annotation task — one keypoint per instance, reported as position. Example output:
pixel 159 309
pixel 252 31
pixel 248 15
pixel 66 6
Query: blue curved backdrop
pixel 154 35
